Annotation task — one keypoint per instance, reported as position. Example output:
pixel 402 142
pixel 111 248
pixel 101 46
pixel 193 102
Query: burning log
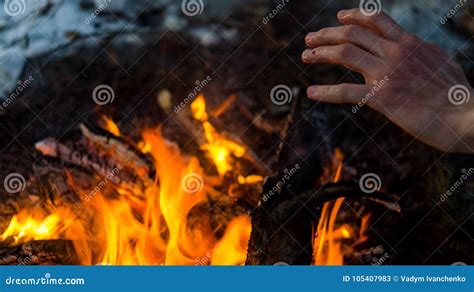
pixel 203 222
pixel 283 224
pixel 109 157
pixel 281 227
pixel 44 252
pixel 176 215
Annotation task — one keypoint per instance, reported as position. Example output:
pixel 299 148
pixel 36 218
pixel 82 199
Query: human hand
pixel 413 83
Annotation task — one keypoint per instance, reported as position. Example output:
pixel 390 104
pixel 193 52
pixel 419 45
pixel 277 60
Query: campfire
pixel 189 140
pixel 147 202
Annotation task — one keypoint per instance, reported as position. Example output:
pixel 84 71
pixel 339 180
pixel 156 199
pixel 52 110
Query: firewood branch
pixel 281 229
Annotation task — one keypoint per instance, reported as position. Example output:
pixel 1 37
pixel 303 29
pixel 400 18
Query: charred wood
pixel 281 227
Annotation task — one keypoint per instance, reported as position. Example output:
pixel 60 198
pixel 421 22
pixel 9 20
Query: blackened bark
pixel 281 227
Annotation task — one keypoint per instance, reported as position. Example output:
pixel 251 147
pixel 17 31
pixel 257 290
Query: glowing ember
pixel 251 179
pixel 198 108
pixel 144 147
pixel 110 126
pixel 346 232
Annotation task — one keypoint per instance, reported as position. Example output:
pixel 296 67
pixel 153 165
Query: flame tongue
pixel 110 126
pixel 328 244
pixel 232 249
pixel 218 148
pixel 24 227
pixel 177 198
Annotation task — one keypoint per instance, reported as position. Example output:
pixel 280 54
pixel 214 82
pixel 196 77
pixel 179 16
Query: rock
pixel 12 62
pixel 424 19
pixel 40 27
pixel 70 18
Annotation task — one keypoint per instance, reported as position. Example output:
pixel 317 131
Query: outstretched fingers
pixel 348 55
pixel 348 34
pixel 380 23
pixel 341 93
pixel 360 45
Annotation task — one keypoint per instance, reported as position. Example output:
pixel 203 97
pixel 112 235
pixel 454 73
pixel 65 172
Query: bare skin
pixel 417 78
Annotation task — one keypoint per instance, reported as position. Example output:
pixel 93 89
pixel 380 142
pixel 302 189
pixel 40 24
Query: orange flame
pixel 110 125
pixel 327 246
pixel 25 227
pixel 128 231
pixel 154 229
pixel 251 179
pixel 218 148
pixel 232 248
